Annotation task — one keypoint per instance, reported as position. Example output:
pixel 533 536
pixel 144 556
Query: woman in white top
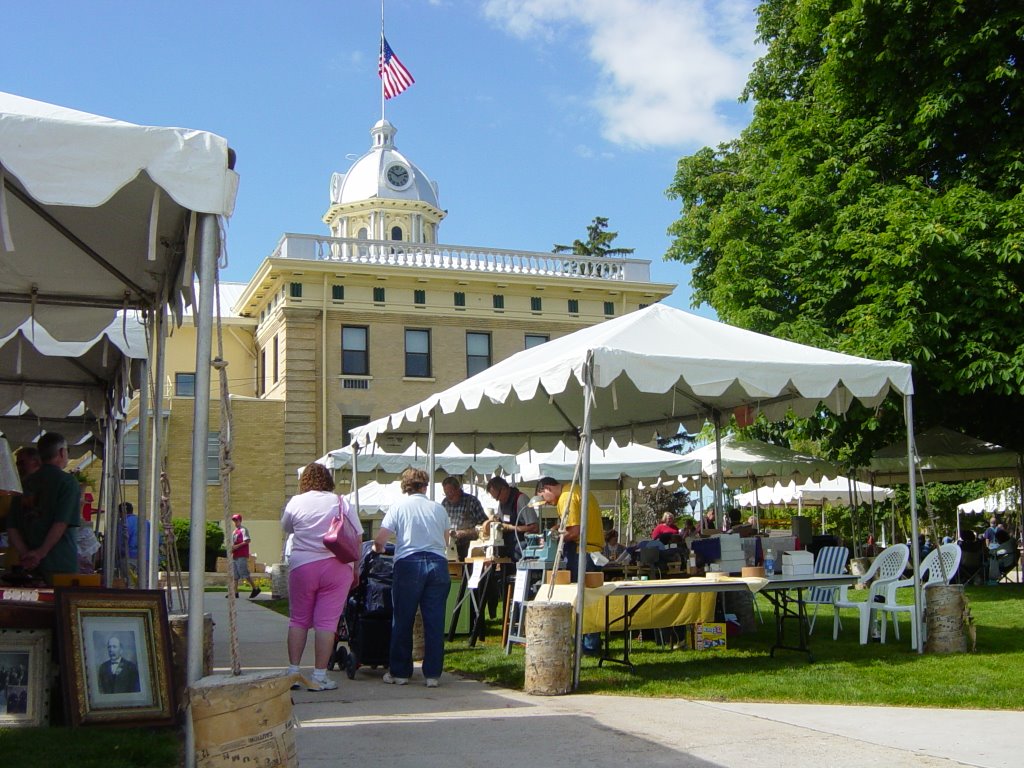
pixel 318 583
pixel 421 580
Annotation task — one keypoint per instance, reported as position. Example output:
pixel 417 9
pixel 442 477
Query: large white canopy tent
pixel 614 466
pixel 99 216
pixel 451 460
pixel 1007 500
pixel 838 490
pixel 643 373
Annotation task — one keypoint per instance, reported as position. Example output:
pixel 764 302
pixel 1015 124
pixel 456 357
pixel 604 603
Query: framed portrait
pixel 24 677
pixel 116 657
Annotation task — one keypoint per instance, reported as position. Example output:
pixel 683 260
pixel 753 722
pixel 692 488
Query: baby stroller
pixel 365 626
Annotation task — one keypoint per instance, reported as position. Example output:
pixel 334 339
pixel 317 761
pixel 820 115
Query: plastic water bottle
pixel 769 563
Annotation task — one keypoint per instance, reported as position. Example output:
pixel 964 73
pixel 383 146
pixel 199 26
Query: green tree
pixel 598 243
pixel 875 203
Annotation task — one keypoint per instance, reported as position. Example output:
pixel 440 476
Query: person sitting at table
pixel 689 529
pixel 989 536
pixel 614 551
pixel 667 527
pixel 709 524
pixel 1004 551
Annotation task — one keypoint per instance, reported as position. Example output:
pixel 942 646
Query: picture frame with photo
pixel 25 675
pixel 116 657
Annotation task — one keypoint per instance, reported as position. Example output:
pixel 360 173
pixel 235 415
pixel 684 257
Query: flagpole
pixel 380 60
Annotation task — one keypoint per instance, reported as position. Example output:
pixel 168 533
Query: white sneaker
pixel 321 685
pixel 433 682
pixel 395 680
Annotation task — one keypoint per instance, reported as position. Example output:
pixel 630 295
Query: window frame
pixel 489 357
pixel 180 377
pixel 421 357
pixel 364 351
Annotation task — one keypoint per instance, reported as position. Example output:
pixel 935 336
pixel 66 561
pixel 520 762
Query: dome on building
pixel 383 173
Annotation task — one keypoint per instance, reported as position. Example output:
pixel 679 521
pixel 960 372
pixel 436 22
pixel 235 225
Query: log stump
pixel 549 649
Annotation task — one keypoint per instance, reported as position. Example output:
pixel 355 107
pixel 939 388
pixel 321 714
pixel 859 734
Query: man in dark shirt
pixel 117 674
pixel 44 518
pixel 465 513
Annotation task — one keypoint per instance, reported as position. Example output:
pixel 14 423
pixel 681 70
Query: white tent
pixel 756 459
pixel 815 494
pixel 944 455
pixel 612 465
pixel 451 461
pixel 99 216
pixel 645 372
pixel 375 497
pixel 1007 500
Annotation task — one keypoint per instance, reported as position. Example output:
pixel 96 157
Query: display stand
pixel 527 572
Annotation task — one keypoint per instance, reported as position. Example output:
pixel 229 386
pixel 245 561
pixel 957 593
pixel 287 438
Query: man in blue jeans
pixel 420 579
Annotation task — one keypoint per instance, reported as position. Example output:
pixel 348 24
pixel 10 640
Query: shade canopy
pixel 653 370
pixel 611 466
pixel 945 456
pixel 747 459
pixel 815 494
pixel 376 498
pixel 1007 500
pixel 450 461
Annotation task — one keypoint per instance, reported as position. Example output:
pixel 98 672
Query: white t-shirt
pixel 419 525
pixel 308 516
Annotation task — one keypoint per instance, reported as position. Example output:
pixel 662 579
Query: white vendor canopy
pixel 629 378
pixel 451 460
pixel 612 466
pixel 839 490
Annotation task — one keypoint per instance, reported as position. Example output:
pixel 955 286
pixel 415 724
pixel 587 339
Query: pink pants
pixel 317 592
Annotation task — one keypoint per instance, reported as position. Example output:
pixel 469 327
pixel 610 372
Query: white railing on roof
pixel 390 253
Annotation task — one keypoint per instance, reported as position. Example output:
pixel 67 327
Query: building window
pixel 261 373
pixel 535 303
pixel 295 290
pixel 574 306
pixel 213 458
pixel 184 385
pixel 348 423
pixel 338 292
pixel 363 234
pixel 460 298
pixel 643 306
pixel 478 352
pixel 609 308
pixel 498 300
pixel 378 295
pixel 419 297
pixel 130 464
pixel 417 353
pixel 275 360
pixel 396 233
pixel 535 340
pixel 355 350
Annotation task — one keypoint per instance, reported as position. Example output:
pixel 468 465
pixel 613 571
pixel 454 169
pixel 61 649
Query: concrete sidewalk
pixel 467 723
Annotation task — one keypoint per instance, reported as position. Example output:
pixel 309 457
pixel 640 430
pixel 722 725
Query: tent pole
pixel 430 455
pixel 581 545
pixel 107 502
pixel 355 478
pixel 144 512
pixel 155 494
pixel 915 550
pixel 719 478
pixel 207 257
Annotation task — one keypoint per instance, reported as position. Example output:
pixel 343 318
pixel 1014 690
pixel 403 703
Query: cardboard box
pixel 797 570
pixel 798 557
pixel 709 636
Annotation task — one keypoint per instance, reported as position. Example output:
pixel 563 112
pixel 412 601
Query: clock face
pixel 398 175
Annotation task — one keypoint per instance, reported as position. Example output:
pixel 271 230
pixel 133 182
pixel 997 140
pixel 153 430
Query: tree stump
pixel 549 649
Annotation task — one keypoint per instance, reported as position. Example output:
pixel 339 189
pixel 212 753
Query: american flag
pixel 393 74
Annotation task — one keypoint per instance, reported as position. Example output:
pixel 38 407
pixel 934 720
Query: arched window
pixel 396 233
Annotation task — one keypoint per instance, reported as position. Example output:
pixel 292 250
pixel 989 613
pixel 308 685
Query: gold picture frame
pixel 25 674
pixel 116 657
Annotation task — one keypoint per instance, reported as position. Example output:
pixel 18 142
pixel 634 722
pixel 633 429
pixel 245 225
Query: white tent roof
pixel 755 458
pixel 451 461
pixel 814 494
pixel 1005 501
pixel 608 465
pixel 96 214
pixel 376 497
pixel 653 369
pixel 945 455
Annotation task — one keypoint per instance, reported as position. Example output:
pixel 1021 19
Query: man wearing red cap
pixel 240 556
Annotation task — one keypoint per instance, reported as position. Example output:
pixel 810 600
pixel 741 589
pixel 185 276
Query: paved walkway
pixel 466 723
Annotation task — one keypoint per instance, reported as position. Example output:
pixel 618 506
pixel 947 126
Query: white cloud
pixel 670 71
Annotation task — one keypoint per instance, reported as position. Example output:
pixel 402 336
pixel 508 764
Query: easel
pixel 517 596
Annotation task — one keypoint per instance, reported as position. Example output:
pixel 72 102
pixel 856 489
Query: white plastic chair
pixel 931 574
pixel 886 568
pixel 831 561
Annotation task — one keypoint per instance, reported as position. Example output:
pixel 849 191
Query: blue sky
pixel 533 116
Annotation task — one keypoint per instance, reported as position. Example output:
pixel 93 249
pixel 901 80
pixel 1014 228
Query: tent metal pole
pixel 155 487
pixel 581 545
pixel 915 550
pixel 107 503
pixel 430 457
pixel 144 513
pixel 719 477
pixel 207 258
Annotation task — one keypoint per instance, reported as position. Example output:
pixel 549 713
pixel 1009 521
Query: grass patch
pixel 844 672
pixel 92 747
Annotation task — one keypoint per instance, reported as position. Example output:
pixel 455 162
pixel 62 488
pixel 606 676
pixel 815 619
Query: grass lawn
pixel 844 672
pixel 92 747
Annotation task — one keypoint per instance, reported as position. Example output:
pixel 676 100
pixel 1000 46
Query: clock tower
pixel 384 196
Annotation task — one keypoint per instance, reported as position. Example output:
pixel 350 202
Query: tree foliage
pixel 875 203
pixel 598 243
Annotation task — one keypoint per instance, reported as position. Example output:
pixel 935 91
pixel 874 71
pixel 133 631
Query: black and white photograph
pixel 24 677
pixel 116 662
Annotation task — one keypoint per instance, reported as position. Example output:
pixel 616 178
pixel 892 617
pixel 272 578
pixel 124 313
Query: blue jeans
pixel 421 581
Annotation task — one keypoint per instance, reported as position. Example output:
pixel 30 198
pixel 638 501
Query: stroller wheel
pixel 339 659
pixel 350 666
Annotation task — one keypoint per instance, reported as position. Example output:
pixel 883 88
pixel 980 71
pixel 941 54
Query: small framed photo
pixel 24 677
pixel 116 659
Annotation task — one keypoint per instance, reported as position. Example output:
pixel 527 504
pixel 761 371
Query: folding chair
pixel 886 568
pixel 831 561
